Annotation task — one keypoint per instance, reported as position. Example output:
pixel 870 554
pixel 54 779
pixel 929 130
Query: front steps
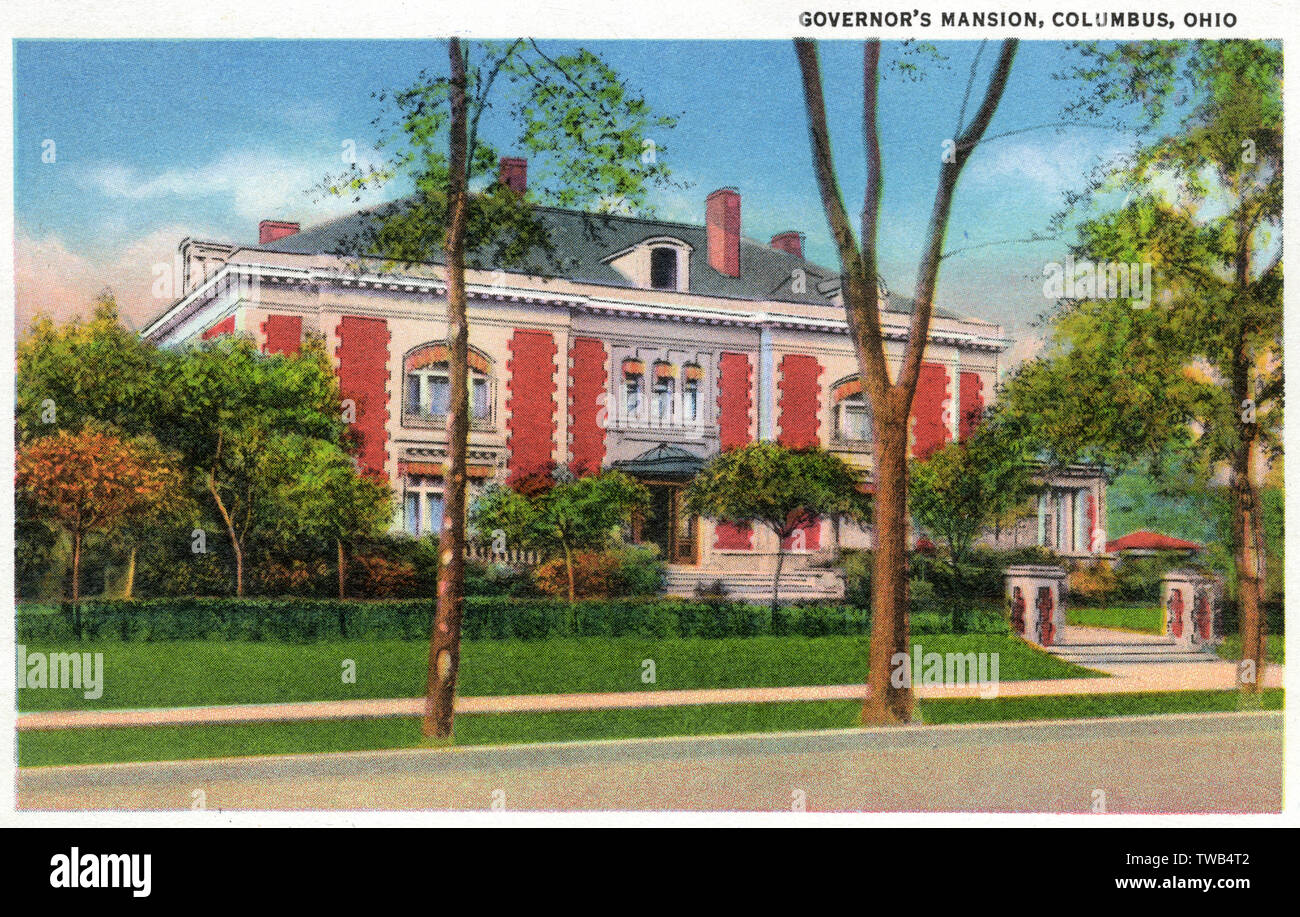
pixel 1093 650
pixel 755 586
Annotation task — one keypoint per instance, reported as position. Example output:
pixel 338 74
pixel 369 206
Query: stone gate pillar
pixel 1036 602
pixel 1193 608
pixel 1177 598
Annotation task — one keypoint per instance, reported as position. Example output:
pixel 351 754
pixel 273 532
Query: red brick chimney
pixel 514 173
pixel 722 220
pixel 789 241
pixel 270 230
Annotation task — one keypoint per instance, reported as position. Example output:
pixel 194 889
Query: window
pixel 662 406
pixel 854 420
pixel 663 268
pixel 691 401
pixel 423 505
pixel 632 398
pixel 428 393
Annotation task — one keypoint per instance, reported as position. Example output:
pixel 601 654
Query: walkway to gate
pixel 1118 651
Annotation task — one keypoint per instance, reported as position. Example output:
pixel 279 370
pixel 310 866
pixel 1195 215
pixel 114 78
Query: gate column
pixel 1036 602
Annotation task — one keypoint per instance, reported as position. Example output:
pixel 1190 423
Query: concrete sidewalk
pixel 1133 679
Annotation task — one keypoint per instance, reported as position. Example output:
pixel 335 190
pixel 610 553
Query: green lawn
pixel 1145 620
pixel 199 673
pixel 170 743
pixel 1274 647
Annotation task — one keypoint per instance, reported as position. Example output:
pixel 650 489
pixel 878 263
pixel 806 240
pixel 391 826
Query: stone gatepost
pixel 1036 602
pixel 1177 598
pixel 1193 607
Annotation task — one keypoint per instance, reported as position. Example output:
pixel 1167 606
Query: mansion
pixel 646 346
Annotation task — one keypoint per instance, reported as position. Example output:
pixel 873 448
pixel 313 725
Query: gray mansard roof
pixel 582 243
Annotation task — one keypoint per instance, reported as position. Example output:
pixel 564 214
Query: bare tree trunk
pixel 130 574
pixel 776 583
pixel 1248 530
pixel 76 568
pixel 891 400
pixel 444 641
pixel 568 569
pixel 229 523
pixel 342 565
pixel 886 703
pixel 1248 536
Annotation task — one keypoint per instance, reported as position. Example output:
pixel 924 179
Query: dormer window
pixel 663 268
pixel 659 263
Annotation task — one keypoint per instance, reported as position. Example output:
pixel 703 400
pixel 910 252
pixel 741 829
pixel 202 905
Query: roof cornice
pixel 222 281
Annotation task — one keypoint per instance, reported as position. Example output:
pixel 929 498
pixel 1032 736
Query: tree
pixel 784 489
pixel 965 487
pixel 592 134
pixel 891 400
pixel 1198 372
pixel 321 496
pixel 230 408
pixel 88 482
pixel 95 369
pixel 569 516
pixel 159 508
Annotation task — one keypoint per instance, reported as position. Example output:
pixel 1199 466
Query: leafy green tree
pixel 890 397
pixel 965 487
pixel 1198 373
pixel 783 489
pixel 590 135
pixel 157 509
pixel 231 410
pixel 86 370
pixel 320 496
pixel 571 515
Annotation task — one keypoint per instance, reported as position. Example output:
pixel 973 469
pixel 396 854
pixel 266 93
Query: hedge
pixel 296 620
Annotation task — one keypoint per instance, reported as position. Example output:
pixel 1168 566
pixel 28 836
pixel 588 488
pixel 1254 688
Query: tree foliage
pixel 965 487
pixel 90 482
pixel 569 516
pixel 786 490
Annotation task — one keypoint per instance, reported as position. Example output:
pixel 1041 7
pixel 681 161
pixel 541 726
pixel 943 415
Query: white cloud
pixel 1049 163
pixel 257 184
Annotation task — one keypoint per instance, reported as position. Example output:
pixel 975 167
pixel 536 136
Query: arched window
pixel 663 268
pixel 852 412
pixel 427 394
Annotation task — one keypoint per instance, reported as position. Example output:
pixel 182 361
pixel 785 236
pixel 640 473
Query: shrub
pixel 375 576
pixel 857 567
pixel 497 579
pixel 714 593
pixel 1094 584
pixel 595 574
pixel 294 620
pixel 291 577
pixel 641 571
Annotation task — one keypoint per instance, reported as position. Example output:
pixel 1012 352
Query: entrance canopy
pixel 662 463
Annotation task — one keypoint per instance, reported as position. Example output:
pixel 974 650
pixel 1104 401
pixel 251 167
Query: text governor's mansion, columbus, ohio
pixel 647 346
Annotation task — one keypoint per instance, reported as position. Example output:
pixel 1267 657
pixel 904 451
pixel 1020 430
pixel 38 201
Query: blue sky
pixel 158 140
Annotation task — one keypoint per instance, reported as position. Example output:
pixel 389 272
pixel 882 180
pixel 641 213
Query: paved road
pixel 1180 763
